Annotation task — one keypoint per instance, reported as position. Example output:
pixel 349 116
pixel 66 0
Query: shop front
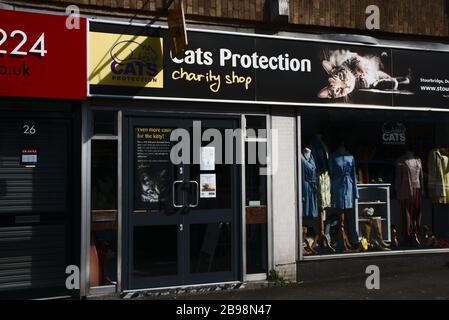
pixel 42 81
pixel 179 222
pixel 251 153
pixel 245 154
pixel 175 165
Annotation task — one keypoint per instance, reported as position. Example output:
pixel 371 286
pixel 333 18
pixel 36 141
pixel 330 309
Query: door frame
pixel 127 116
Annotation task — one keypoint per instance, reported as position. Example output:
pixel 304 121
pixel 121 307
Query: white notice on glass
pixel 208 185
pixel 207 159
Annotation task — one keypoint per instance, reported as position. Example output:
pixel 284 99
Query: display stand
pixel 376 196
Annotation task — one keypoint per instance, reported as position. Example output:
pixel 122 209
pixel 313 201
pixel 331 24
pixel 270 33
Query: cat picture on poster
pixel 349 72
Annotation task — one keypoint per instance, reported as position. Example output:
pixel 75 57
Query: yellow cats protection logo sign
pixel 125 60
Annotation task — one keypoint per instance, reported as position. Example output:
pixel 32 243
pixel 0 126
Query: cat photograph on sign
pixel 351 72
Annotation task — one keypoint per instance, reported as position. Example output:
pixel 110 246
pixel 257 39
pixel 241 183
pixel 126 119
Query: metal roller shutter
pixel 33 205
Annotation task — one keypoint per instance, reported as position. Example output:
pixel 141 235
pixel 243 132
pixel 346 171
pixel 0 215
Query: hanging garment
pixel 438 182
pixel 324 190
pixel 320 155
pixel 446 179
pixel 409 182
pixel 343 181
pixel 411 215
pixel 409 176
pixel 364 155
pixel 309 186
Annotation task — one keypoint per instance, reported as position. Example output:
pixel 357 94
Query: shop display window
pixel 105 122
pixel 256 209
pixel 104 214
pixel 373 180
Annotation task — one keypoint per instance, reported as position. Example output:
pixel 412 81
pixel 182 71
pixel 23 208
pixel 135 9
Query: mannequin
pixel 309 189
pixel 321 156
pixel 409 184
pixel 307 152
pixel 343 188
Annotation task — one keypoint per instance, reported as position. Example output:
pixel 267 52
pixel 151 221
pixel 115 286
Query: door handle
pixel 174 194
pixel 197 195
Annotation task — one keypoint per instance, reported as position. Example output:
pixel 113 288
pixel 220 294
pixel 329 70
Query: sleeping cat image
pixel 349 71
pixel 152 186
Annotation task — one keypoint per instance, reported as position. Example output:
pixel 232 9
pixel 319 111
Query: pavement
pixel 428 284
pixel 424 285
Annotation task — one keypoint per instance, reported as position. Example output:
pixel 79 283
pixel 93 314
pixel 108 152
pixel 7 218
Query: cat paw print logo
pixel 394 133
pixel 134 61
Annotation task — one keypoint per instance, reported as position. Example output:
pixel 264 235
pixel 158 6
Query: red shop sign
pixel 40 57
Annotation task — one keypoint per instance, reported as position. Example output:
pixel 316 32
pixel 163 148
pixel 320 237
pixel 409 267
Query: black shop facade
pixel 192 164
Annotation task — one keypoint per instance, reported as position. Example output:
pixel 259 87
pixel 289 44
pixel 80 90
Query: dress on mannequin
pixel 409 182
pixel 343 180
pixel 438 181
pixel 309 193
pixel 321 155
pixel 320 152
pixel 343 188
pixel 309 187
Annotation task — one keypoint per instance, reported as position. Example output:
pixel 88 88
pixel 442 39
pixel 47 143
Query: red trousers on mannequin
pixel 411 215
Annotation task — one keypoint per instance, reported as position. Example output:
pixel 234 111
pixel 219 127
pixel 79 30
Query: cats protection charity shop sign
pixel 41 57
pixel 135 61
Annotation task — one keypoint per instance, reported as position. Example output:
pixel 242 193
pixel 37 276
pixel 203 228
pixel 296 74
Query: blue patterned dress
pixel 309 187
pixel 343 181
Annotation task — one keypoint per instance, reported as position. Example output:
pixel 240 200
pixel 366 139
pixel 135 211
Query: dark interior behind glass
pixel 378 139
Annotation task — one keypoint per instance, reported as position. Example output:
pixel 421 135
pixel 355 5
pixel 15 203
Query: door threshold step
pixel 185 290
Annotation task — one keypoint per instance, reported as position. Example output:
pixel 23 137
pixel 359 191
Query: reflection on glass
pixel 256 208
pixel 104 175
pixel 210 247
pixel 256 186
pixel 256 248
pixel 103 249
pixel 155 250
pixel 223 179
pixel 105 122
pixel 256 126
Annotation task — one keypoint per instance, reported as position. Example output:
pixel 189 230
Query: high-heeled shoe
pixel 378 236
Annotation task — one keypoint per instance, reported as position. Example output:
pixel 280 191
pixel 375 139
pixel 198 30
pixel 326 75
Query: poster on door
pixel 207 159
pixel 208 185
pixel 152 164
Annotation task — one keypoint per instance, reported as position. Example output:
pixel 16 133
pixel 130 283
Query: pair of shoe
pixel 323 242
pixel 414 242
pixel 343 240
pixel 372 233
pixel 379 242
pixel 394 238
